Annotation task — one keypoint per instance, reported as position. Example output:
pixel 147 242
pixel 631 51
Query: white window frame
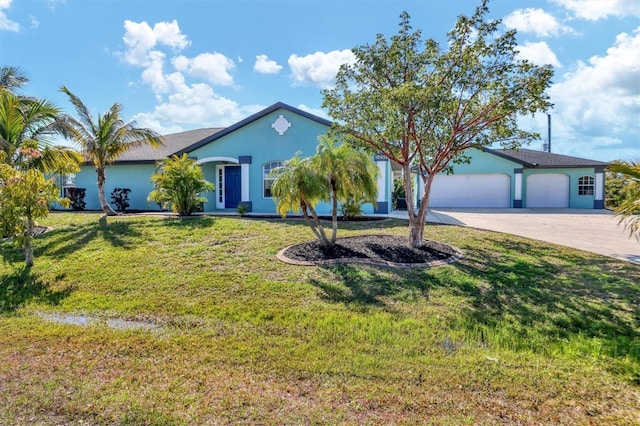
pixel 586 189
pixel 265 176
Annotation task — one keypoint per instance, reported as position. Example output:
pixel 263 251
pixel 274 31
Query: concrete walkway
pixel 596 231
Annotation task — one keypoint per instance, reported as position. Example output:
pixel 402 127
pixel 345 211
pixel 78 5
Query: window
pixel 268 178
pixel 70 180
pixel 585 185
pixel 67 181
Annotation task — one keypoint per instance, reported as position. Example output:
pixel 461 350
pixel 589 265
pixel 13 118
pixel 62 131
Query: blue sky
pixel 178 65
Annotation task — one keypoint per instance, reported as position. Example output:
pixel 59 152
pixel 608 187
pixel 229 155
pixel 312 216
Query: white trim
pixel 218 159
pixel 220 186
pixel 244 182
pixel 599 185
pixel 517 196
pixel 382 181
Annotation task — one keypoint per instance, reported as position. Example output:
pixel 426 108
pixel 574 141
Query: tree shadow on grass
pixel 22 286
pixel 543 293
pixel 361 287
pixel 521 295
pixel 63 241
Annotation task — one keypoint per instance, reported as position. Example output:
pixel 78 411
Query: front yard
pixel 145 320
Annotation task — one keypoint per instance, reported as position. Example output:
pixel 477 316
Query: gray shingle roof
pixel 172 143
pixel 533 158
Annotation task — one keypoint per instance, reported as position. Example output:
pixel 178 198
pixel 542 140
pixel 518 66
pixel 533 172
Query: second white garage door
pixel 551 191
pixel 475 190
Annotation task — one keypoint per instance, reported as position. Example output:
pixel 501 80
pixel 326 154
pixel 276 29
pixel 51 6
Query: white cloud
pixel 53 4
pixel 593 10
pixel 264 65
pixel 181 104
pixel 319 68
pixel 194 106
pixel 35 23
pixel 598 103
pixel 140 38
pixel 6 23
pixel 213 67
pixel 535 21
pixel 315 111
pixel 539 53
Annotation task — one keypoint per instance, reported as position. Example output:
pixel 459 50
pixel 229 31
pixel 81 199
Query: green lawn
pixel 168 322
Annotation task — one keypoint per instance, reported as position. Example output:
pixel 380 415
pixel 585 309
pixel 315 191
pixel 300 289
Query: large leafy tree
pixel 337 174
pixel 628 209
pixel 179 183
pixel 423 105
pixel 105 139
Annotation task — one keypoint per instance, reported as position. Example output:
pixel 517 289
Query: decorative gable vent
pixel 281 125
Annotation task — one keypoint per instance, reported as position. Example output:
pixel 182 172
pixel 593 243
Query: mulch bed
pixel 385 250
pixel 37 230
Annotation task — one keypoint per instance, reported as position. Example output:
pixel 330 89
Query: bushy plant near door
pixel 179 183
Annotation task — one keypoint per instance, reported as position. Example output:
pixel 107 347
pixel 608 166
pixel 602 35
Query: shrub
pixel 120 197
pixel 76 197
pixel 351 208
pixel 179 182
pixel 242 209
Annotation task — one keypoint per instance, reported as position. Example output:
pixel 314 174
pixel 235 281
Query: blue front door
pixel 231 187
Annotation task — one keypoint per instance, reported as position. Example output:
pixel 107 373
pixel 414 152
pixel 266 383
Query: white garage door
pixel 550 191
pixel 478 190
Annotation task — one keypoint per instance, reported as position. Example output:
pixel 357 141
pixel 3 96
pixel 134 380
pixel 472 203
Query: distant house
pixel 238 160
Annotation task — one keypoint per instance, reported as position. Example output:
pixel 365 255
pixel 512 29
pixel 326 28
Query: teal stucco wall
pixel 136 177
pixel 263 144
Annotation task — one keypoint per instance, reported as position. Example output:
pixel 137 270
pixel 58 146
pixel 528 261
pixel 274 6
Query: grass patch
pixel 519 331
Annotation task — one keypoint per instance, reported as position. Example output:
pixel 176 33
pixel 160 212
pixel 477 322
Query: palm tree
pixel 335 174
pixel 629 210
pixel 350 175
pixel 299 188
pixel 104 140
pixel 29 124
pixel 12 78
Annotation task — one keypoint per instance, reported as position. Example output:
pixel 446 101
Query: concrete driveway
pixel 591 230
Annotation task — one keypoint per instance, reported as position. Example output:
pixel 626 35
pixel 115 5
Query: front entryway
pixel 232 186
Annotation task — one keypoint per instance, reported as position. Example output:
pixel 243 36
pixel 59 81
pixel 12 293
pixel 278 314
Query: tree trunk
pixel 334 217
pixel 323 235
pixel 314 223
pixel 415 227
pixel 417 219
pixel 28 247
pixel 106 208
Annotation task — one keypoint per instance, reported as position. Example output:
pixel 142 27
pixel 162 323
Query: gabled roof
pixel 185 142
pixel 173 143
pixel 251 119
pixel 531 158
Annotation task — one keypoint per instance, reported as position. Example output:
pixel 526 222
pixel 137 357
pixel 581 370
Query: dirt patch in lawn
pixel 384 250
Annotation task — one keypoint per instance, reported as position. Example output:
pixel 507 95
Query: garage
pixel 547 191
pixel 471 190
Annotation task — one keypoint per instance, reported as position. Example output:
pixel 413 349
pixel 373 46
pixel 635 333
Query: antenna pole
pixel 548 132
